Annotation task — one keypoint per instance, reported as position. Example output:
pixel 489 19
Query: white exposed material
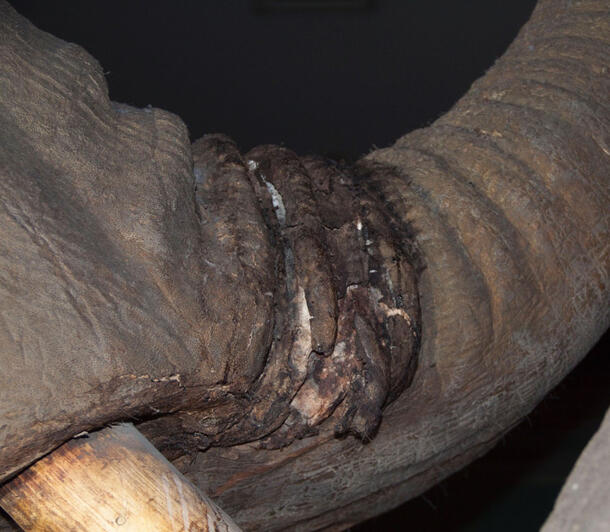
pixel 301 347
pixel 388 280
pixel 199 176
pixel 376 296
pixel 308 401
pixel 389 311
pixel 175 378
pixel 303 318
pixel 276 197
pixel 277 202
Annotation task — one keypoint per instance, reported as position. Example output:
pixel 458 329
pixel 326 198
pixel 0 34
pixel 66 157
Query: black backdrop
pixel 339 79
pixel 332 81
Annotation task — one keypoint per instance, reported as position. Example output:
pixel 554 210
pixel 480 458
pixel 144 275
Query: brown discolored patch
pixel 341 333
pixel 360 294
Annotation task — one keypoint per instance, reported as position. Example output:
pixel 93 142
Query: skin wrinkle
pixel 281 398
pixel 433 207
pixel 555 195
pixel 535 177
pixel 520 231
pixel 510 238
pixel 541 189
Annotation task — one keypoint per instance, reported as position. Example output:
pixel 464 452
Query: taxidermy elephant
pixel 309 343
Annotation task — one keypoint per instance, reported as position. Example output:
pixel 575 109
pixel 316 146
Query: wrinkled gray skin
pixel 129 291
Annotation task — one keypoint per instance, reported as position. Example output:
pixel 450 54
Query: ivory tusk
pixel 114 479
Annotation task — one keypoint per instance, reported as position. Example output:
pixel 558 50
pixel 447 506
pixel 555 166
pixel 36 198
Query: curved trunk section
pixel 508 197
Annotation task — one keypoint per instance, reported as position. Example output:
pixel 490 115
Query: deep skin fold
pixel 343 339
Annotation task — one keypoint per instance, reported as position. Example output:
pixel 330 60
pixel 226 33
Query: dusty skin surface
pixel 127 259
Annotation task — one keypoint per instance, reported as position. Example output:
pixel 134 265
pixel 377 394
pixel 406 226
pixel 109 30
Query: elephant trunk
pixel 240 307
pixel 507 198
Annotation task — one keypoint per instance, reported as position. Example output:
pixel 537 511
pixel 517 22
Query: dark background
pixel 330 81
pixel 339 78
